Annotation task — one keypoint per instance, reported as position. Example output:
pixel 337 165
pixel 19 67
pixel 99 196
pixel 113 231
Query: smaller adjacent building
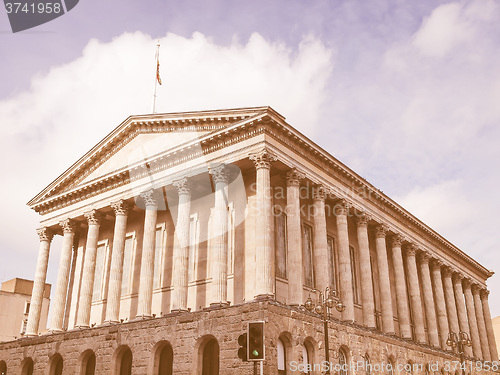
pixel 15 300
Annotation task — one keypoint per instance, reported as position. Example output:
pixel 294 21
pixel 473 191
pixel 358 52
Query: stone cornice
pixel 222 133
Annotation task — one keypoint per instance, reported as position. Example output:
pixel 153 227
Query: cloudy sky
pixel 407 93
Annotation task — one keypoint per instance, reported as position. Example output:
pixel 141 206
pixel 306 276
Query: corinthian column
pixel 461 310
pixel 401 294
pixel 440 302
pixel 430 312
pixel 345 273
pixel 264 226
pixel 481 325
pixel 449 296
pixel 366 272
pixel 489 325
pixel 36 302
pixel 384 281
pixel 121 209
pixel 471 314
pixel 148 256
pixel 181 247
pixel 83 317
pixel 321 256
pixel 415 298
pixel 219 242
pixel 59 305
pixel 294 238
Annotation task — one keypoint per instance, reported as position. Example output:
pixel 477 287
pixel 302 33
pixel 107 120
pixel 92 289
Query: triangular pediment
pixel 140 139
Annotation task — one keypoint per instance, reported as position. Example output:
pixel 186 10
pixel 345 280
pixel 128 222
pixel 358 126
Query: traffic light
pixel 255 341
pixel 242 351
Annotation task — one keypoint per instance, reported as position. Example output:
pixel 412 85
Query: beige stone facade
pixel 179 228
pixel 15 302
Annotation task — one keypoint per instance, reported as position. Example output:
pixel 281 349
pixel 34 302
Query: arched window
pixel 56 365
pixel 281 357
pixel 409 368
pixel 3 368
pixel 210 361
pixel 306 359
pixel 88 363
pixel 27 367
pixel 124 361
pixel 164 360
pixel 343 370
pixel 368 365
pixel 390 366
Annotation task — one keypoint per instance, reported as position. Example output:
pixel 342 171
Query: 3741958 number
pixel 33 8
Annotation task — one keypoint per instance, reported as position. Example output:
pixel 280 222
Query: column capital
pixel 424 256
pixel 467 283
pixel 93 217
pixel 436 263
pixel 381 231
pixel 219 173
pixel 397 240
pixel 68 226
pixel 484 293
pixel 341 207
pixel 362 220
pixel 457 276
pixel 121 207
pixel 183 186
pixel 263 159
pixel 149 198
pixel 294 176
pixel 476 289
pixel 320 193
pixel 411 249
pixel 45 234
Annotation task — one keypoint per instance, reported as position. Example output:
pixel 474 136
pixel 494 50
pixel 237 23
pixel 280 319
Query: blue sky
pixel 404 92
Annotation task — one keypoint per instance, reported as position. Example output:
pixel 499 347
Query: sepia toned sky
pixel 406 93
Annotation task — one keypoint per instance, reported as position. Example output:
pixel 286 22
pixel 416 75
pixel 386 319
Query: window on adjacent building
pixel 354 275
pixel 332 263
pixel 343 362
pixel 307 253
pixel 24 325
pixel 306 359
pixel 368 365
pixel 281 358
pixel 194 233
pixel 159 256
pixel 280 243
pixel 128 262
pixel 27 305
pixel 100 271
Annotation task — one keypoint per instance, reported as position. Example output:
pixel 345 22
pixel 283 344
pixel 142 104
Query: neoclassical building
pixel 179 228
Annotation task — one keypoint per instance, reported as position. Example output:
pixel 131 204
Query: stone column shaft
pixel 384 282
pixel 415 299
pixel 428 295
pixel 346 290
pixel 36 302
pixel 59 304
pixel 442 316
pixel 489 325
pixel 294 239
pixel 115 276
pixel 85 301
pixel 145 299
pixel 180 274
pixel 365 272
pixel 481 325
pixel 321 256
pixel 264 226
pixel 461 310
pixel 401 293
pixel 471 314
pixel 219 242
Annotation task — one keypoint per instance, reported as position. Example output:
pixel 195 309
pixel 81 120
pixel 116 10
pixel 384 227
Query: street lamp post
pixel 322 307
pixel 459 341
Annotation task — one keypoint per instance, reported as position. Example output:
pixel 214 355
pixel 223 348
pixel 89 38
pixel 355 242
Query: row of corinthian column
pixel 450 301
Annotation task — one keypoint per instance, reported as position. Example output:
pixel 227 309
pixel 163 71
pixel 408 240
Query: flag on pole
pixel 158 70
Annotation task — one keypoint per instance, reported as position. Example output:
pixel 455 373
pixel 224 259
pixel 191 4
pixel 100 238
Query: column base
pixel 30 335
pixel 218 305
pixel 179 311
pixel 55 330
pixel 109 322
pixel 82 326
pixel 143 317
pixel 264 297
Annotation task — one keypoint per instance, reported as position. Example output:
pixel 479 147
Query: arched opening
pixel 281 357
pixel 27 367
pixel 368 364
pixel 164 359
pixel 343 364
pixel 56 365
pixel 391 364
pixel 306 359
pixel 88 363
pixel 3 368
pixel 210 361
pixel 123 361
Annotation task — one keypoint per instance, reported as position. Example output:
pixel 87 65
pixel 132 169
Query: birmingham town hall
pixel 178 229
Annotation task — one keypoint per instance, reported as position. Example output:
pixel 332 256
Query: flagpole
pixel 157 56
